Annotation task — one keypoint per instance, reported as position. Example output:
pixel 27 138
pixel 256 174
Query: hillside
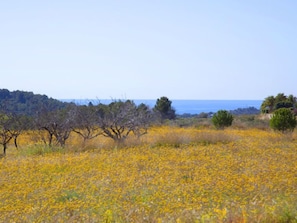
pixel 26 103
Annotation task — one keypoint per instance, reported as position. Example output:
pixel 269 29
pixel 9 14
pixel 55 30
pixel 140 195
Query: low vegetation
pixel 222 119
pixel 171 174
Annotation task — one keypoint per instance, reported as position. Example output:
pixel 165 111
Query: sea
pixel 185 106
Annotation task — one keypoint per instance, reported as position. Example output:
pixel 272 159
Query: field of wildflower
pixel 173 175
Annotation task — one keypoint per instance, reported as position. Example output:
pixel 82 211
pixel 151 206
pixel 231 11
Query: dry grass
pixel 177 137
pixel 171 175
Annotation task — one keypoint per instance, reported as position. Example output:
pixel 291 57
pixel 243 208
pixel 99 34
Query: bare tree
pixel 44 122
pixel 5 131
pixel 19 123
pixel 57 124
pixel 11 126
pixel 86 120
pixel 63 126
pixel 120 118
pixel 143 117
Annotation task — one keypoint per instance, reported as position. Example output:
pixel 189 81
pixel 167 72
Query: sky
pixel 140 49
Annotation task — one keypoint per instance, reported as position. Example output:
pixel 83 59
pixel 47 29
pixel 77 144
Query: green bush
pixel 222 119
pixel 283 120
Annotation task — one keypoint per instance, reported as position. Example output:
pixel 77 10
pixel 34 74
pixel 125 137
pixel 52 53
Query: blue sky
pixel 138 49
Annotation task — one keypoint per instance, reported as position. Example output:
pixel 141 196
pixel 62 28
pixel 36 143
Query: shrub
pixel 222 119
pixel 283 120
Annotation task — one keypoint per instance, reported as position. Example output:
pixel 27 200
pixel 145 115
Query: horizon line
pixel 144 99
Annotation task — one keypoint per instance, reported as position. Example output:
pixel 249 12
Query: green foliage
pixel 283 120
pixel 283 104
pixel 27 103
pixel 164 108
pixel 222 119
pixel 271 103
pixel 268 104
pixel 68 195
pixel 40 150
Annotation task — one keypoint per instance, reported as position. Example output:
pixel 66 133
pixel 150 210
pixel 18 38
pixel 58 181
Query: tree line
pixel 27 103
pixel 57 120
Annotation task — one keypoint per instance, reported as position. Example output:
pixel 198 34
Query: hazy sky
pixel 211 49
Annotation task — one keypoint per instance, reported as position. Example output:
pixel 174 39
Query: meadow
pixel 173 174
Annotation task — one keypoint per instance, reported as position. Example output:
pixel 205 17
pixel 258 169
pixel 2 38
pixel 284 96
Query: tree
pixel 44 123
pixel 143 120
pixel 283 104
pixel 268 104
pixel 120 118
pixel 283 120
pixel 11 126
pixel 64 125
pixel 271 103
pixel 19 123
pixel 292 99
pixel 86 119
pixel 280 97
pixel 5 133
pixel 164 109
pixel 58 125
pixel 222 119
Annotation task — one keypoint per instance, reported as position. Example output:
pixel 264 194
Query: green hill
pixel 27 103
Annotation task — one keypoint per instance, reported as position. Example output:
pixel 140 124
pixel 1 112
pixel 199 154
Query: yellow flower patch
pixel 175 175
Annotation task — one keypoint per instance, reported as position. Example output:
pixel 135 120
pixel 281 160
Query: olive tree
pixel 283 120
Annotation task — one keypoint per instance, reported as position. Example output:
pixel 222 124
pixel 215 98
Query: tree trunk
pixel 50 139
pixel 4 148
pixel 15 142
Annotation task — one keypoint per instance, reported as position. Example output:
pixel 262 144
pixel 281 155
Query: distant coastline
pixel 186 106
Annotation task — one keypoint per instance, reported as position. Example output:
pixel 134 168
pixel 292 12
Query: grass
pixel 172 175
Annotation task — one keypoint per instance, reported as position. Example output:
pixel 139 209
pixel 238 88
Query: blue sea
pixel 187 106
